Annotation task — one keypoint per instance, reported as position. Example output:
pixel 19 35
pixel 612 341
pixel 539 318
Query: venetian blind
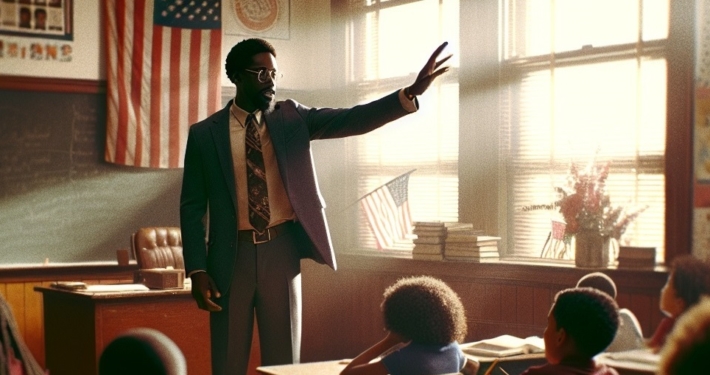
pixel 588 83
pixel 389 42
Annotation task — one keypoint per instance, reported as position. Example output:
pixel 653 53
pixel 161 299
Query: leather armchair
pixel 158 247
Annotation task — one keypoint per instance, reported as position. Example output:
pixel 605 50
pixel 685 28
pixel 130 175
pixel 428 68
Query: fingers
pixel 211 306
pixel 438 63
pixel 436 53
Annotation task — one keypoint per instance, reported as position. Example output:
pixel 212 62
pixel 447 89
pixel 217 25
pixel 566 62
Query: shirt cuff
pixel 194 272
pixel 408 105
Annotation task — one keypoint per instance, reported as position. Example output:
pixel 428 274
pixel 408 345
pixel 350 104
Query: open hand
pixel 203 289
pixel 430 71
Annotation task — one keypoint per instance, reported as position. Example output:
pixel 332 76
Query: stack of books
pixel 465 243
pixel 637 257
pixel 429 244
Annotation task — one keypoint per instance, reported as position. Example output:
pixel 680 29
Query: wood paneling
pixel 17 287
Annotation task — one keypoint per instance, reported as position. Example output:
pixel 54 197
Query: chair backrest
pixel 158 247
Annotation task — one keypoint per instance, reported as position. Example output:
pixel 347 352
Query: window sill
pixel 562 274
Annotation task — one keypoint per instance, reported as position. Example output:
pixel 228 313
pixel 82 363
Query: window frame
pixel 480 195
pixel 479 105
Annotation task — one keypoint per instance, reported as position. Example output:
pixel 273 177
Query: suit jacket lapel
pixel 220 135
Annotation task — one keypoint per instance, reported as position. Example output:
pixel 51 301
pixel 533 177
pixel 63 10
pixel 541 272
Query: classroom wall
pixel 59 201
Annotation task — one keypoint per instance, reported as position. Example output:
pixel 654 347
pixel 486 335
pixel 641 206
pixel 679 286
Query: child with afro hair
pixel 688 281
pixel 580 325
pixel 425 320
pixel 688 345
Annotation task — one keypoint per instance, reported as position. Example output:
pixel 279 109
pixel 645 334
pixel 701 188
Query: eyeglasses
pixel 264 74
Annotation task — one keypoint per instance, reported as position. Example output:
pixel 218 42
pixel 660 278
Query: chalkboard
pixel 58 199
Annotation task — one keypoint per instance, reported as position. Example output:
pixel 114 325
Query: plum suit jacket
pixel 209 184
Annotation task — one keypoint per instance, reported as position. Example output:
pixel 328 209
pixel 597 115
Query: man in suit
pixel 250 207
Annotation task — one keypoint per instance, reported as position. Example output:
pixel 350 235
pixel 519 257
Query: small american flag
pixel 387 211
pixel 163 74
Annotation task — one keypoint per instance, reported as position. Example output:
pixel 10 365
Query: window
pixel 582 79
pixel 385 54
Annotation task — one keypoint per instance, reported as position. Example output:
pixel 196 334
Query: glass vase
pixel 591 249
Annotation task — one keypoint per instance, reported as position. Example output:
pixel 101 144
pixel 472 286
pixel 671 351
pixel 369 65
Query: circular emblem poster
pixel 264 18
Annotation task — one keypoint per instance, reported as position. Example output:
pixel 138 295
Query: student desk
pixel 79 325
pixel 513 364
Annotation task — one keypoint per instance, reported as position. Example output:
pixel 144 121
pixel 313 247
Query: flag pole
pixel 377 188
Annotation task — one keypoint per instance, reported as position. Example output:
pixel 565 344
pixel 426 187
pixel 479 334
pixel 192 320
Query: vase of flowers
pixel 591 249
pixel 592 221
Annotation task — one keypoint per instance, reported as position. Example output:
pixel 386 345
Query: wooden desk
pixel 512 364
pixel 78 326
pixel 312 368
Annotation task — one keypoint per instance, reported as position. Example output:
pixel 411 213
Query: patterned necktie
pixel 259 212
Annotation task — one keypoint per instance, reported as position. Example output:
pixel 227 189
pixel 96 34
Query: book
pixel 505 346
pixel 429 231
pixel 461 227
pixel 633 252
pixel 429 240
pixel 637 263
pixel 463 254
pixel 420 256
pixel 470 259
pixel 69 285
pixel 470 249
pixel 640 360
pixel 436 224
pixel 466 237
pixel 428 248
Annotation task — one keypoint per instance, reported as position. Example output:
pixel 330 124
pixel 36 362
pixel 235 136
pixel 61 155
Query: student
pixel 580 325
pixel 425 320
pixel 687 347
pixel 688 280
pixel 629 336
pixel 142 351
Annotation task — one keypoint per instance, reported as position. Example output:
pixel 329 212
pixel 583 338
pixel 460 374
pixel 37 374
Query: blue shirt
pixel 419 359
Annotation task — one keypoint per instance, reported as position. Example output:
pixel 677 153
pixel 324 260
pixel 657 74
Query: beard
pixel 265 103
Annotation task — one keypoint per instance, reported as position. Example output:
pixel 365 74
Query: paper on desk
pixel 504 346
pixel 115 288
pixel 637 359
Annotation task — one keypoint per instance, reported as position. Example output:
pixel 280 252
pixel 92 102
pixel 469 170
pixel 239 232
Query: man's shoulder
pixel 214 118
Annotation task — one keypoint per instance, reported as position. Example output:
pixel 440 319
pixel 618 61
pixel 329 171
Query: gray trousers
pixel 266 281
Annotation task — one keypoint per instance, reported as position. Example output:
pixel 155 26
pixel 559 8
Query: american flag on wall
pixel 387 211
pixel 163 74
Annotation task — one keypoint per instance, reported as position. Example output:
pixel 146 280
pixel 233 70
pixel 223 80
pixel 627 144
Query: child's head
pixel 425 310
pixel 599 281
pixel 688 345
pixel 688 280
pixel 581 324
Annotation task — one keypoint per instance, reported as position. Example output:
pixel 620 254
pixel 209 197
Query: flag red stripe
pixel 155 95
pixel 213 89
pixel 194 72
pixel 174 117
pixel 160 79
pixel 137 77
pixel 110 83
pixel 122 136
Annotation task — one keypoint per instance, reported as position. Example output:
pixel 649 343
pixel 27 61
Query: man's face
pixel 252 94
